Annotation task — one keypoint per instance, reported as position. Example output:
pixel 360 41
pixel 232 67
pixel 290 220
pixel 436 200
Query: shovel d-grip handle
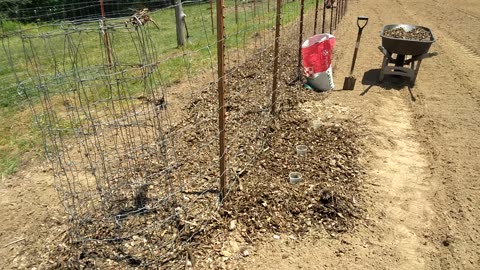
pixel 364 19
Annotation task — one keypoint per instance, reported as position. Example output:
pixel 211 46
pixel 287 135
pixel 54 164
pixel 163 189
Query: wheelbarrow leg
pixel 382 68
pixel 417 68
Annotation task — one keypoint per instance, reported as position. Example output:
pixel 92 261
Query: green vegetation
pixel 46 49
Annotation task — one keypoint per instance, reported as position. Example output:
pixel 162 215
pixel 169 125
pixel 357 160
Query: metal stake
pixel 276 53
pixel 221 96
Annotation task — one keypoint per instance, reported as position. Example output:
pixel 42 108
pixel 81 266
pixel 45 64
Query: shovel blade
pixel 349 83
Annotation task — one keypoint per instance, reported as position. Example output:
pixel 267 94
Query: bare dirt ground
pixel 424 167
pixel 422 189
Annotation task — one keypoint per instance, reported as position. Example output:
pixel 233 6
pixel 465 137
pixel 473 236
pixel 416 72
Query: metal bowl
pixel 406 46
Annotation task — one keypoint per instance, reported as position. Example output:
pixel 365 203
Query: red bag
pixel 317 54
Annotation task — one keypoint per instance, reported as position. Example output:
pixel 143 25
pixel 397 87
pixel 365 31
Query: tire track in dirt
pixel 399 167
pixel 398 164
pixel 449 113
pixel 469 52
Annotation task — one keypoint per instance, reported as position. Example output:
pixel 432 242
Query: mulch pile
pixel 172 232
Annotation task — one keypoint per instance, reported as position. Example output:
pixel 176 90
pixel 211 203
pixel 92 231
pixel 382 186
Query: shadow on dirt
pixel 370 79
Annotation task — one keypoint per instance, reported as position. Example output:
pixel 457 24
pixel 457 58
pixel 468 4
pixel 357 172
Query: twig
pixel 190 260
pixel 14 242
pixel 373 184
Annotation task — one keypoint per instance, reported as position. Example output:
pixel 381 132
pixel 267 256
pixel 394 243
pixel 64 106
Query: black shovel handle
pixel 362 18
pixel 359 36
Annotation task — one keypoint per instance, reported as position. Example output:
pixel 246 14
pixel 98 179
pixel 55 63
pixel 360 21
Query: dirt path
pixel 423 145
pixel 31 216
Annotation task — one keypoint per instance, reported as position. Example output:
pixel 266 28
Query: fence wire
pixel 129 121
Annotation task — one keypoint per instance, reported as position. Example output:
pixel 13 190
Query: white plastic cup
pixel 301 149
pixel 295 177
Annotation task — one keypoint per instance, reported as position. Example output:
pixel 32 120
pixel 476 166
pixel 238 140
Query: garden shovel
pixel 349 82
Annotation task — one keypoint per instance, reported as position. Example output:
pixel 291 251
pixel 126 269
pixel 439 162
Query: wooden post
pixel 180 23
pixel 105 34
pixel 221 96
pixel 276 54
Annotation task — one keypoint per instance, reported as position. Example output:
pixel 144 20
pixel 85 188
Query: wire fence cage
pixel 130 122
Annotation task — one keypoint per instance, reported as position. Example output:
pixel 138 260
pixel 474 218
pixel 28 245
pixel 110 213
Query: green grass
pixel 52 55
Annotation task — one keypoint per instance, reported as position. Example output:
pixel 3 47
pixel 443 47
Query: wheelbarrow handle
pixel 362 18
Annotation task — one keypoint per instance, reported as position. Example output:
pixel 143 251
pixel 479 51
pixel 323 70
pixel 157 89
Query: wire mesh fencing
pixel 130 121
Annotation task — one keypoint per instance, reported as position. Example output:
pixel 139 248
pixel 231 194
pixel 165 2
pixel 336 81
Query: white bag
pixel 322 81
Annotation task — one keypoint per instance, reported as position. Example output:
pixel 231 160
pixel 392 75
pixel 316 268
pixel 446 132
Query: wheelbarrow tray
pixel 406 46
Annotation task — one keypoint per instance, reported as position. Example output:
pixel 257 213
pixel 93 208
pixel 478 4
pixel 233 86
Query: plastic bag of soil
pixel 317 61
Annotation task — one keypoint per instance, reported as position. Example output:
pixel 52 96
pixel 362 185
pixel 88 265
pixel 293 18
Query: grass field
pixel 46 47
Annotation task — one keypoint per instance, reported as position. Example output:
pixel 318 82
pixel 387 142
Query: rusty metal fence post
pixel 275 55
pixel 211 15
pixel 323 16
pixel 331 19
pixel 336 14
pixel 221 96
pixel 316 17
pixel 236 11
pixel 340 8
pixel 300 40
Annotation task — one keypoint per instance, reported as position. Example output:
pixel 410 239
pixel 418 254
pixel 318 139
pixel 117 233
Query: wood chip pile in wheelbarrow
pixel 418 34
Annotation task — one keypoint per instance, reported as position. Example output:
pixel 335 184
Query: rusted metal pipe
pixel 324 14
pixel 275 55
pixel 316 16
pixel 221 97
pixel 300 40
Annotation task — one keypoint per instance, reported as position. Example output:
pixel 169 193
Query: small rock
pixel 225 253
pixel 246 253
pixel 234 248
pixel 276 236
pixel 333 162
pixel 446 242
pixel 232 226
